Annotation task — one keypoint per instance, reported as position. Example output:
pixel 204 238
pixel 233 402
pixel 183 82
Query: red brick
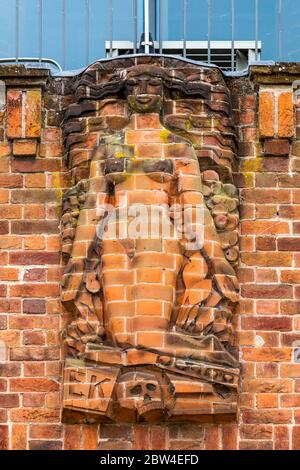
pixel 267 259
pixel 33 385
pixel 267 196
pixel 158 437
pixel 34 306
pixel 141 437
pixel 90 437
pixel 277 147
pixel 289 244
pixel 34 227
pixel 34 354
pixel 267 354
pixel 4 438
pixel 229 437
pixel 72 436
pixel 267 291
pixel 11 181
pixel 262 227
pixel 9 400
pixel 212 438
pixel 45 445
pixel 24 147
pixel 296 438
pixel 265 243
pixel 256 445
pixel 32 165
pixel 46 431
pixel 19 437
pixel 34 258
pixel 267 416
pixel 267 323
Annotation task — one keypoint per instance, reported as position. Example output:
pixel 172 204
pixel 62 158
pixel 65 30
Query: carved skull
pixel 142 392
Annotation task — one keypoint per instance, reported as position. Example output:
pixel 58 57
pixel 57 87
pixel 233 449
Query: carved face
pixel 144 93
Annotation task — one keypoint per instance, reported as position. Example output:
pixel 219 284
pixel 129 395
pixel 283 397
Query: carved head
pixel 144 91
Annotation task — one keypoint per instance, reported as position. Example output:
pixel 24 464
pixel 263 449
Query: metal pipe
pixel 5 60
pixel 209 31
pixel 232 35
pixel 87 39
pixel 17 30
pixel 40 13
pixel 111 27
pixel 185 6
pixel 161 25
pixel 135 33
pixel 256 29
pixel 280 29
pixel 147 26
pixel 64 34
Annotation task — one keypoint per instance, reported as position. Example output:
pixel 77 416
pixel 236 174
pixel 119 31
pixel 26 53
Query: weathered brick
pixel 266 114
pixel 4 438
pixel 286 125
pixel 289 244
pixel 267 291
pixel 19 437
pixel 14 113
pixel 33 114
pixel 34 227
pixel 9 400
pixel 33 385
pixel 267 323
pixel 34 306
pixel 24 147
pixel 34 258
pixel 34 196
pixel 277 147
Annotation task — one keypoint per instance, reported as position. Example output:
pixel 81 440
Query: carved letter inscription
pixel 150 239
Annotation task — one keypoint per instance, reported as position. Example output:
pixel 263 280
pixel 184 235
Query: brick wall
pixel 32 181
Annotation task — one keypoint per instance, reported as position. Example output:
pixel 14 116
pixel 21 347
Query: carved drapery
pixel 152 330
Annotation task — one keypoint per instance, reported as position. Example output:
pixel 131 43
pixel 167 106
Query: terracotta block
pixel 33 114
pixel 266 114
pixel 286 126
pixel 14 114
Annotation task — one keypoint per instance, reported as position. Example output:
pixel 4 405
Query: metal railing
pixel 141 16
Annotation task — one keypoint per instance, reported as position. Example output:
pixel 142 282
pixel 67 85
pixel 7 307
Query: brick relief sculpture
pixel 150 241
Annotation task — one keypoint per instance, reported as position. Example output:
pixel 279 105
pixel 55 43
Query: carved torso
pixel 153 299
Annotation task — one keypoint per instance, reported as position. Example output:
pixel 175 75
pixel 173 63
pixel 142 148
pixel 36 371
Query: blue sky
pixel 78 54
